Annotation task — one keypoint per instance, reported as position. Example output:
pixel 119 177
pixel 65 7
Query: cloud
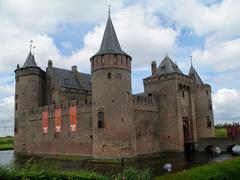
pixel 226 104
pixel 221 57
pixel 204 18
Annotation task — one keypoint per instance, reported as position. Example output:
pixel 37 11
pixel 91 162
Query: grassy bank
pixel 45 171
pixel 6 143
pixel 220 132
pixel 229 169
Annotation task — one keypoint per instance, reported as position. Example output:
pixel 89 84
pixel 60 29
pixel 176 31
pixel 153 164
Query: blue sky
pixel 69 32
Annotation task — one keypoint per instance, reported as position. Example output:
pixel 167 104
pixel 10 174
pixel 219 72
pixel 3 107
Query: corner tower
pixel 29 94
pixel 112 114
pixel 203 105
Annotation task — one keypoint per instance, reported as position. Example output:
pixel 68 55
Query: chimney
pixel 49 63
pixel 74 68
pixel 154 68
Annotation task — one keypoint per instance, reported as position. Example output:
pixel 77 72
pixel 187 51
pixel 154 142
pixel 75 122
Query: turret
pixel 112 116
pixel 203 105
pixel 29 94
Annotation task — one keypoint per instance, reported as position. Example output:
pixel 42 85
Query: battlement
pixel 30 71
pixel 167 77
pixel 82 107
pixel 110 61
pixel 146 103
pixel 203 87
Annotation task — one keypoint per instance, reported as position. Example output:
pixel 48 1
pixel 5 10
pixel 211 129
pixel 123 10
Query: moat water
pixel 179 161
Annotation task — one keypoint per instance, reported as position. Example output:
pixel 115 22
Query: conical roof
pixel 167 66
pixel 193 73
pixel 30 61
pixel 110 44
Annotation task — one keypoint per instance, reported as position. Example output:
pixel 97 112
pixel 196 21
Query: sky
pixel 69 32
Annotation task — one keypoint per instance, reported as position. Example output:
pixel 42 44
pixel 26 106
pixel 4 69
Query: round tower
pixel 112 115
pixel 203 106
pixel 29 94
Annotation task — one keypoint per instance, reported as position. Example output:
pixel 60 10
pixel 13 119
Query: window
pixel 16 106
pixel 100 120
pixel 183 94
pixel 209 123
pixel 109 75
pixel 209 105
pixel 118 76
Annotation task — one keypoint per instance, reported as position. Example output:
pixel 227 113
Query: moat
pixel 180 161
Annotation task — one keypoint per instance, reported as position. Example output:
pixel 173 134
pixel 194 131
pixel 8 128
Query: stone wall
pixel 64 142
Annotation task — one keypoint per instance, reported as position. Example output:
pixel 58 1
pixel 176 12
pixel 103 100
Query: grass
pixel 44 170
pixel 6 143
pixel 229 169
pixel 220 132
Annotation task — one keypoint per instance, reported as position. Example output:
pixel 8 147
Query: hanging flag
pixel 58 120
pixel 73 118
pixel 45 121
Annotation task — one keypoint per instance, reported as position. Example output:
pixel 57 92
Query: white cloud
pixel 226 104
pixel 222 18
pixel 220 57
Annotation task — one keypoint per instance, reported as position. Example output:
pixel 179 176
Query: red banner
pixel 45 121
pixel 73 118
pixel 58 120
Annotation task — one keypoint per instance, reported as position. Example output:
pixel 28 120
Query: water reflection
pixel 179 161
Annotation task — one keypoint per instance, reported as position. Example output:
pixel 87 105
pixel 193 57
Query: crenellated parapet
pixel 81 106
pixel 144 103
pixel 30 71
pixel 109 61
pixel 203 87
pixel 167 77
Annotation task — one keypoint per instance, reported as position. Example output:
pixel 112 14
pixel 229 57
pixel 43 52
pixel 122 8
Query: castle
pixel 60 111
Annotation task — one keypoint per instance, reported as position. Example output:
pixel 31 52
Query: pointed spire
pixel 30 61
pixel 167 66
pixel 193 73
pixel 110 44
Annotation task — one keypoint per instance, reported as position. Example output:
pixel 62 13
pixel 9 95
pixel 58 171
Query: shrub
pixel 229 169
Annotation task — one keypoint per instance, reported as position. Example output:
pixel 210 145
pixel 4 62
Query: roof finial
pixel 31 45
pixel 34 47
pixel 109 10
pixel 191 60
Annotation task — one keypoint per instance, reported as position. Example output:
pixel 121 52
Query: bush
pixel 229 169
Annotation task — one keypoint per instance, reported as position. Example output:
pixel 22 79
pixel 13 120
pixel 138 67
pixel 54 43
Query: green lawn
pixel 6 143
pixel 222 132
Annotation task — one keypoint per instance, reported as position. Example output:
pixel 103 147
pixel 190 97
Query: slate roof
pixel 30 61
pixel 193 73
pixel 167 66
pixel 69 79
pixel 110 44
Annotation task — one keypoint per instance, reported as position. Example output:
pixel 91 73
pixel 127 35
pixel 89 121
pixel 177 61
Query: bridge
pixel 224 143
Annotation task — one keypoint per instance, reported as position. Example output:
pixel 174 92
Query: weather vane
pixel 31 45
pixel 109 10
pixel 191 59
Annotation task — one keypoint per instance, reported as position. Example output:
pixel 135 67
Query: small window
pixel 100 120
pixel 126 62
pixel 16 106
pixel 207 92
pixel 109 75
pixel 209 105
pixel 118 76
pixel 183 94
pixel 16 97
pixel 209 123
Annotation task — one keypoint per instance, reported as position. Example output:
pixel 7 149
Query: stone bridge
pixel 224 143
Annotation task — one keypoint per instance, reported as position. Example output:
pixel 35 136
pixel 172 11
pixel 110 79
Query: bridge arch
pixel 209 148
pixel 229 148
